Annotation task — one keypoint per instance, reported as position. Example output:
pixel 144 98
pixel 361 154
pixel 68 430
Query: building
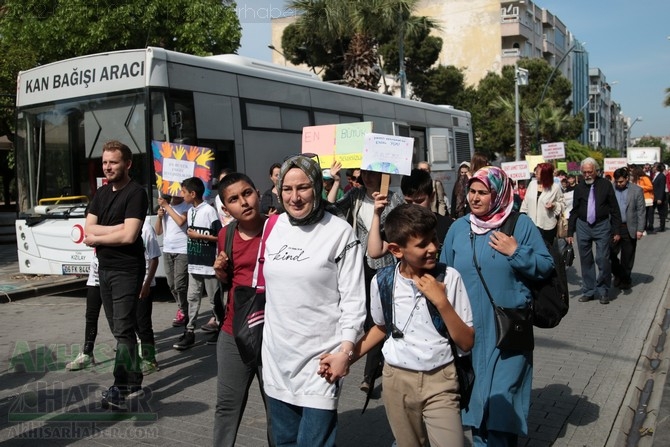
pixel 482 36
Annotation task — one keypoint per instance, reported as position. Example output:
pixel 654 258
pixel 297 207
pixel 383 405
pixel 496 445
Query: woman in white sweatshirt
pixel 543 202
pixel 315 305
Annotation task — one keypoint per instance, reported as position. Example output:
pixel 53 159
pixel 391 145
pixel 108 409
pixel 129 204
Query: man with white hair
pixel 595 217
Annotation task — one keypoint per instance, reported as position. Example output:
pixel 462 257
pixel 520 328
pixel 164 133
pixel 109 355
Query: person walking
pixel 596 219
pixel 660 196
pixel 500 401
pixel 630 198
pixel 543 202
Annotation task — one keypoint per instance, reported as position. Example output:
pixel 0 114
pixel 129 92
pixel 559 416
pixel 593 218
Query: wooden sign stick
pixel 384 188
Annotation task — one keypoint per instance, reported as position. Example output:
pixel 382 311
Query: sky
pixel 628 41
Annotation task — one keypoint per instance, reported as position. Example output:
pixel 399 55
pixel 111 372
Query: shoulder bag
pixel 514 327
pixel 249 307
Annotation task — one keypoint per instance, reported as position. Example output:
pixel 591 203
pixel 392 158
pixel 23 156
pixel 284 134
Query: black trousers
pixel 93 305
pixel 374 360
pixel 622 255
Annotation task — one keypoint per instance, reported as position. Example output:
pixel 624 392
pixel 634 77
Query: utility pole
pixel 520 78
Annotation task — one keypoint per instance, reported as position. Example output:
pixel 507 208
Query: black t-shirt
pixel 113 208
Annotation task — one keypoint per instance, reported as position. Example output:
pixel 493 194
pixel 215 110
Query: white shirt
pixel 315 295
pixel 174 236
pixel 202 218
pixel 151 248
pixel 421 348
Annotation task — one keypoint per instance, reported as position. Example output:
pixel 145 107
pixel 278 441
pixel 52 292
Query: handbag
pixel 514 327
pixel 249 308
pixel 568 255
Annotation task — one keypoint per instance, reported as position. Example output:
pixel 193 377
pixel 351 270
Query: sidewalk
pixel 588 372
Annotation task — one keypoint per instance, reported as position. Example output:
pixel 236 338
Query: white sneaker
pixel 80 362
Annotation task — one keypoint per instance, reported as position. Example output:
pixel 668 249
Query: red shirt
pixel 245 254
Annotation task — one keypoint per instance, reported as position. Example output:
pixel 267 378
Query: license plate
pixel 75 269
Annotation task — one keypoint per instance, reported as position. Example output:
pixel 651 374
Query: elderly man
pixel 633 212
pixel 596 218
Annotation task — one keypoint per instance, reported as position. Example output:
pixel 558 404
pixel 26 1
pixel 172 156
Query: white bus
pixel 250 113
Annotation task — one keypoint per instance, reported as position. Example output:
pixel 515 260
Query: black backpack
pixel 551 298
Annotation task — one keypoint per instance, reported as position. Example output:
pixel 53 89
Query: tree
pixel 36 32
pixel 666 101
pixel 344 36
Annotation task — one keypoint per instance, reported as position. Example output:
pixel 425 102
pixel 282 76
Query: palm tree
pixel 360 23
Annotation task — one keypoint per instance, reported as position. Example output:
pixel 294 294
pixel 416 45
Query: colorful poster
pixel 516 170
pixel 387 154
pixel 553 151
pixel 343 142
pixel 573 167
pixel 175 162
pixel 562 166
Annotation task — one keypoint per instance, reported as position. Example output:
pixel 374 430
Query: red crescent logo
pixel 77 239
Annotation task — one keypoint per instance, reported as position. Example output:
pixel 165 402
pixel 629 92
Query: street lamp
pixel 546 86
pixel 273 48
pixel 639 118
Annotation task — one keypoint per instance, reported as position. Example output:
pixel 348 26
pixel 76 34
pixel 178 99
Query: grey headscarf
pixel 313 171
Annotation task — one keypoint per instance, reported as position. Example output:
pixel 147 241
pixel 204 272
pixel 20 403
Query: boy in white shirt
pixel 171 223
pixel 414 351
pixel 203 229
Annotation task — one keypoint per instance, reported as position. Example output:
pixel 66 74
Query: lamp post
pixel 546 87
pixel 520 78
pixel 639 118
pixel 273 48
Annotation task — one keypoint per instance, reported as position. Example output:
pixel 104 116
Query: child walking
pixel 414 351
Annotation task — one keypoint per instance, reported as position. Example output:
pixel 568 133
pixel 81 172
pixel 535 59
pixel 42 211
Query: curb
pixel 640 407
pixel 62 286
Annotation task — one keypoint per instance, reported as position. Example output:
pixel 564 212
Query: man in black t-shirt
pixel 113 226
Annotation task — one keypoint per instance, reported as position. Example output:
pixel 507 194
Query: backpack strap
pixel 510 224
pixel 259 279
pixel 385 280
pixel 228 250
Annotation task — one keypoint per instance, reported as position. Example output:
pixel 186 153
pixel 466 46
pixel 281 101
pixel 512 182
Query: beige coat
pixel 534 206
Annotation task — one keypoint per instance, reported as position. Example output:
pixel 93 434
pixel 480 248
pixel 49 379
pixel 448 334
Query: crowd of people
pixel 410 280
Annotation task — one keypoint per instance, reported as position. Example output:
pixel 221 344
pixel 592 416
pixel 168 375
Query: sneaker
pixel 213 339
pixel 185 341
pixel 149 366
pixel 604 300
pixel 211 326
pixel 80 362
pixel 113 398
pixel 585 299
pixel 180 319
pixel 365 385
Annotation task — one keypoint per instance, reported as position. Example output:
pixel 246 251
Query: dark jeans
pixel 296 426
pixel 233 381
pixel 662 214
pixel 93 305
pixel 144 327
pixel 122 290
pixel 623 267
pixel 650 218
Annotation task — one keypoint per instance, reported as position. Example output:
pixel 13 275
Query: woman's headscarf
pixel 502 199
pixel 312 170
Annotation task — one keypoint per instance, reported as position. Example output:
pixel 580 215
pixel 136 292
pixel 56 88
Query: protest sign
pixel 174 163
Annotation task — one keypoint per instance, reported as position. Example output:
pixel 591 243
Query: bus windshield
pixel 59 149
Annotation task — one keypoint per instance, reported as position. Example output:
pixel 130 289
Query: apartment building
pixel 482 36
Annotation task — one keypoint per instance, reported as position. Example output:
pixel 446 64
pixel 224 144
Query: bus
pixel 250 113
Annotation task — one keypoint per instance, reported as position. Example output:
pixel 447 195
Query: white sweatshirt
pixel 313 304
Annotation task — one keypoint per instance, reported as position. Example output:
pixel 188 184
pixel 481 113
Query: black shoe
pixel 212 340
pixel 604 300
pixel 661 230
pixel 616 281
pixel 585 298
pixel 185 341
pixel 113 398
pixel 625 285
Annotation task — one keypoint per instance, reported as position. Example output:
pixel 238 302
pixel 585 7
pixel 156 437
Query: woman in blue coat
pixel 498 409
